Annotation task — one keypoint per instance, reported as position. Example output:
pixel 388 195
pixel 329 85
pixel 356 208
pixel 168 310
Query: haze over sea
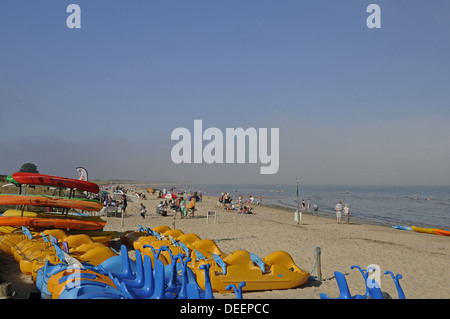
pixel 379 205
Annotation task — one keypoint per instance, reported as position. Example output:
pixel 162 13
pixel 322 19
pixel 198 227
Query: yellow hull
pixel 25 213
pixel 280 272
pixel 423 230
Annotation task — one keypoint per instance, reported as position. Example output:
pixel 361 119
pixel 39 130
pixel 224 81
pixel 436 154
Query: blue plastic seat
pixel 256 259
pixel 237 291
pixel 344 291
pixel 396 278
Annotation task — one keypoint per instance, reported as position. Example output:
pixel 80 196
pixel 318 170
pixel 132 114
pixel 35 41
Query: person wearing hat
pixel 347 213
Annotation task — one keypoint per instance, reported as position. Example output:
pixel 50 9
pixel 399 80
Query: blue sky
pixel 354 105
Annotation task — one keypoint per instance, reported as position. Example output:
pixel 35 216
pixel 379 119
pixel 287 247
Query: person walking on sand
pixel 178 207
pixel 347 213
pixel 191 206
pixel 143 210
pixel 338 209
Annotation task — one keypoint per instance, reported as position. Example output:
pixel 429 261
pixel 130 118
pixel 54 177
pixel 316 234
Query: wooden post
pixel 317 253
pixel 5 290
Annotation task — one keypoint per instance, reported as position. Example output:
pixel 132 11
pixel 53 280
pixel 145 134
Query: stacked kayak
pixel 52 221
pixel 78 221
pixel 46 201
pixel 275 271
pixel 22 178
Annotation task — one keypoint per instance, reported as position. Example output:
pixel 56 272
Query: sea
pixel 426 206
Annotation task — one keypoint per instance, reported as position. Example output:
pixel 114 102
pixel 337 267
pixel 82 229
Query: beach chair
pixel 210 213
pixel 111 211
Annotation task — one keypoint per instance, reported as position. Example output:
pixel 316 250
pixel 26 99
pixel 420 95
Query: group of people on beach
pixel 339 209
pixel 183 205
pixel 306 206
pixel 228 204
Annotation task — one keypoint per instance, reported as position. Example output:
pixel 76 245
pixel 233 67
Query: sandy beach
pixel 420 258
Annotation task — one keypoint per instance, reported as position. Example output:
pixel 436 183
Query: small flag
pixel 82 174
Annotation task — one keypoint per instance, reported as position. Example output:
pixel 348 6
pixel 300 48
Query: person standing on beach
pixel 123 205
pixel 338 209
pixel 183 207
pixel 347 213
pixel 303 205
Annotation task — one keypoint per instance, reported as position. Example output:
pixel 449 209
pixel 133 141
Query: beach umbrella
pixel 170 196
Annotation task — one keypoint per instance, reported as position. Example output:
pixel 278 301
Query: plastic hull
pixel 50 202
pixel 64 223
pixel 423 230
pixel 56 181
pixel 442 232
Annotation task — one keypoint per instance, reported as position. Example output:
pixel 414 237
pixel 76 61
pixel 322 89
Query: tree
pixel 29 168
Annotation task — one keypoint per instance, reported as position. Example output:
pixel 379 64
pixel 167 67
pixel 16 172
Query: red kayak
pixel 65 223
pixel 56 181
pixel 49 202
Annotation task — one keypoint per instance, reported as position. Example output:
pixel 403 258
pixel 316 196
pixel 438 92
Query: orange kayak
pixel 50 202
pixel 65 223
pixel 57 181
pixel 442 232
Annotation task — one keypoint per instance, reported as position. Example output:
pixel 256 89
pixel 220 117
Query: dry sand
pixel 422 259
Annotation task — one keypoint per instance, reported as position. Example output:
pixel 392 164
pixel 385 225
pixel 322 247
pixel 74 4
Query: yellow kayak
pixel 25 213
pixel 423 230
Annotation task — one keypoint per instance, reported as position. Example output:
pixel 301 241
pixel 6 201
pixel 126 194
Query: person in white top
pixel 347 213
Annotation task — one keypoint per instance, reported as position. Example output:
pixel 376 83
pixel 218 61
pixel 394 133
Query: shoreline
pixel 359 220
